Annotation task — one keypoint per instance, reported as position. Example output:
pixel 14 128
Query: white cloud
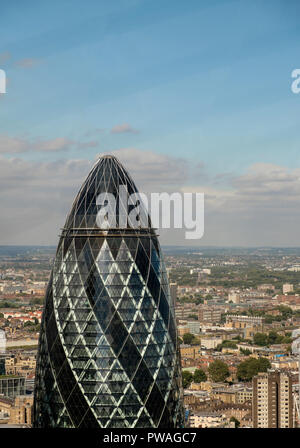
pixel 121 128
pixel 260 207
pixel 152 171
pixel 15 145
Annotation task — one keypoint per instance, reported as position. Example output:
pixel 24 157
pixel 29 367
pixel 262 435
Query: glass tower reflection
pixel 108 353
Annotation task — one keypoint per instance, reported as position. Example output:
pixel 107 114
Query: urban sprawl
pixel 237 311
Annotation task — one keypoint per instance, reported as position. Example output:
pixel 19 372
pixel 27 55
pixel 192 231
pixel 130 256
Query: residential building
pixel 272 400
pixel 173 292
pixel 193 326
pixel 210 314
pixel 16 411
pixel 207 420
pixel 190 351
pixel 234 297
pixel 287 287
pixel 240 321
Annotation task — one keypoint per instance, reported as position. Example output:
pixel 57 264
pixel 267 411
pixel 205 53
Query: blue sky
pixel 207 81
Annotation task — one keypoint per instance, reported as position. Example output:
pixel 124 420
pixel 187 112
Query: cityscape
pixel 236 311
pixel 149 227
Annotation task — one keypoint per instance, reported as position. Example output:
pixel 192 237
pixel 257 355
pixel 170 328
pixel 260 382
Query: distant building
pixel 193 326
pixel 173 292
pixel 211 342
pixel 16 411
pixel 209 314
pixel 266 287
pixel 190 351
pixel 288 299
pixel 21 412
pixel 11 386
pixel 272 400
pixel 287 287
pixel 237 321
pixel 234 297
pixel 244 394
pixel 182 329
pixel 20 365
pixel 295 268
pixel 207 420
pixel 2 342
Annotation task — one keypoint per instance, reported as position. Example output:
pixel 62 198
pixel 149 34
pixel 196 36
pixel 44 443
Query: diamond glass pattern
pixel 108 353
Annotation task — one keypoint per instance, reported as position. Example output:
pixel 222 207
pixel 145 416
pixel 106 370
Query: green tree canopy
pixel 247 369
pixel 236 421
pixel 245 351
pixel 199 376
pixel 187 378
pixel 271 338
pixel 260 339
pixel 218 371
pixel 188 338
pixel 28 323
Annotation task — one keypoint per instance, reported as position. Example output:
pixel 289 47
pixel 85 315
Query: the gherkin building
pixel 108 355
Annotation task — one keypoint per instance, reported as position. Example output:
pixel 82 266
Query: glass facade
pixel 12 386
pixel 108 353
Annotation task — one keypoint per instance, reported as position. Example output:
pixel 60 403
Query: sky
pixel 190 96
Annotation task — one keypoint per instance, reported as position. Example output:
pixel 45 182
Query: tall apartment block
pixel 209 314
pixel 272 400
pixel 173 292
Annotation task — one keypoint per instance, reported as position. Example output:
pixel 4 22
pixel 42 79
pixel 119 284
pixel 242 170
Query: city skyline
pixel 150 211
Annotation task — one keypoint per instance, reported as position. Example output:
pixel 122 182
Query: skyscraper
pixel 108 353
pixel 272 400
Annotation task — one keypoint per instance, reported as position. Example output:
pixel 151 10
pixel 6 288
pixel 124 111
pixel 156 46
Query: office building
pixel 11 386
pixel 108 354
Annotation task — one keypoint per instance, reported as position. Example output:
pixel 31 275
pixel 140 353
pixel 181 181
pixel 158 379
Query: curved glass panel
pixel 108 354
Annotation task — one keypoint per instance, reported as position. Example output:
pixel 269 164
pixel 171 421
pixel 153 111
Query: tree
pixel 187 378
pixel 236 421
pixel 28 324
pixel 37 301
pixel 1 315
pixel 245 351
pixel 199 376
pixel 289 349
pixel 188 338
pixel 229 344
pixel 260 339
pixel 218 371
pixel 247 369
pixel 193 316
